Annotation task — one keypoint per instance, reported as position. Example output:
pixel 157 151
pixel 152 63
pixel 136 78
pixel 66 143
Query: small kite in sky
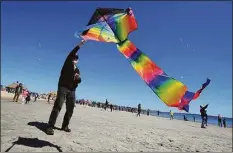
pixel 39 44
pixel 187 45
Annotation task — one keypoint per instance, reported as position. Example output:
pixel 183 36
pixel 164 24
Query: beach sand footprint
pixel 160 144
pixel 170 140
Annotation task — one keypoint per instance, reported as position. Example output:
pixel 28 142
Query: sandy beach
pixel 95 130
pixel 5 95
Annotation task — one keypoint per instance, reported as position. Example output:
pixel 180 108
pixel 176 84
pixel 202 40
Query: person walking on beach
pixel 193 118
pixel 185 119
pixel 18 91
pixel 111 107
pixel 36 96
pixel 50 94
pixel 68 82
pixel 106 104
pixel 203 115
pixel 171 115
pixel 98 105
pixel 139 110
pixel 219 120
pixel 224 122
pixel 158 112
pixel 148 112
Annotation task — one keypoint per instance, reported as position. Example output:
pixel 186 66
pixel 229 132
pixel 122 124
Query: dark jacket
pixel 67 73
pixel 18 89
pixel 203 110
pixel 139 107
pixel 28 98
pixel 106 103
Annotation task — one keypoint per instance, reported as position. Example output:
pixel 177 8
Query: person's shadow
pixel 33 142
pixel 41 126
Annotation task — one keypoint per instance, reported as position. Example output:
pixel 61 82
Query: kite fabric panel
pixel 114 25
pixel 111 25
pixel 99 32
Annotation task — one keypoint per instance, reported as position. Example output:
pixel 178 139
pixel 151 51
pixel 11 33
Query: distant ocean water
pixel 213 120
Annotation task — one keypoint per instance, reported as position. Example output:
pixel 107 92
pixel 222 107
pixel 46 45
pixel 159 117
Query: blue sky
pixel 37 36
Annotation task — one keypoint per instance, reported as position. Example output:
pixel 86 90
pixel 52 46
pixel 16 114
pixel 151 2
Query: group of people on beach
pixel 139 110
pixel 21 91
pixel 221 121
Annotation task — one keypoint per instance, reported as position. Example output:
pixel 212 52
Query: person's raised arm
pixel 75 50
pixel 206 106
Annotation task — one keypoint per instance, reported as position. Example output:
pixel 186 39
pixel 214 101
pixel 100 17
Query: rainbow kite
pixel 114 25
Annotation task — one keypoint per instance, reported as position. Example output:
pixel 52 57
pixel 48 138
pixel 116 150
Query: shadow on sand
pixel 33 142
pixel 41 126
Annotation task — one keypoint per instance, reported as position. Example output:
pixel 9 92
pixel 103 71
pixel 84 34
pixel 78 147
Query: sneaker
pixel 49 130
pixel 66 129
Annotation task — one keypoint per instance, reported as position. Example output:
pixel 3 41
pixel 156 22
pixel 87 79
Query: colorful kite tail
pixel 197 94
pixel 189 96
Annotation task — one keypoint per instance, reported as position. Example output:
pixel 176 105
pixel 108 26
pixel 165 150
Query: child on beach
pixel 24 95
pixel 28 98
pixel 68 82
